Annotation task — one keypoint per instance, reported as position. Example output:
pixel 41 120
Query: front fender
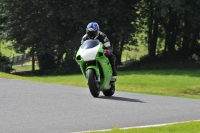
pixel 95 68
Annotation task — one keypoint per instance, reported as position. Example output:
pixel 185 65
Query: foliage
pixel 119 19
pixel 174 21
pixel 56 27
pixel 5 64
pixel 7 49
pixel 42 26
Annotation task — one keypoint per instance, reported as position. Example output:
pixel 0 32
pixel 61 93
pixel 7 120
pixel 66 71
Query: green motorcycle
pixel 96 68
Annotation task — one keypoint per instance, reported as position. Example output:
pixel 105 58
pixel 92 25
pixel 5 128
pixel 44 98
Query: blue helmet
pixel 92 30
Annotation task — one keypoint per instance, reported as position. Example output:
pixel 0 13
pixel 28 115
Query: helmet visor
pixel 92 34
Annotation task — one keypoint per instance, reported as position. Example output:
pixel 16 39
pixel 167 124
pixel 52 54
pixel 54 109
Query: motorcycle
pixel 96 68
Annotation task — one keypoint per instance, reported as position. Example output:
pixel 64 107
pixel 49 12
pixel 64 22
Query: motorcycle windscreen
pixel 89 49
pixel 90 44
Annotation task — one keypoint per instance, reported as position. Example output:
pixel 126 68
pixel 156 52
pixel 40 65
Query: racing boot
pixel 114 69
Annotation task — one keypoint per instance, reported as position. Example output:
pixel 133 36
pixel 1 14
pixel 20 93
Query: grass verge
pixel 181 83
pixel 187 127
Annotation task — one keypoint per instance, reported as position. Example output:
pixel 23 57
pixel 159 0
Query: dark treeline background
pixel 55 27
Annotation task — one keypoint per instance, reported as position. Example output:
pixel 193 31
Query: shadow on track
pixel 121 99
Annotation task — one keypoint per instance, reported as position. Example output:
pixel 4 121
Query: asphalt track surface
pixel 32 107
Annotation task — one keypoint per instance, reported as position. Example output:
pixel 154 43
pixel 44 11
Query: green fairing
pixel 95 68
pixel 104 69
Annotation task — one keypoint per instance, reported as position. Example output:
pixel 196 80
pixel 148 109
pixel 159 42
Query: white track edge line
pixel 125 128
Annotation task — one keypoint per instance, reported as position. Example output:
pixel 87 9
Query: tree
pixel 50 27
pixel 118 19
pixel 149 17
pixel 178 18
pixel 42 26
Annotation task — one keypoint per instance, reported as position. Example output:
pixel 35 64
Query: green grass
pixel 7 51
pixel 187 127
pixel 163 82
pixel 24 68
pixel 182 83
pixel 135 53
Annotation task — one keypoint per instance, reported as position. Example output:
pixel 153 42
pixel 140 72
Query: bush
pixel 163 61
pixel 68 66
pixel 5 64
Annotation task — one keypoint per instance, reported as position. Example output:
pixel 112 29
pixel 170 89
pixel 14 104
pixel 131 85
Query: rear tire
pixel 111 91
pixel 93 84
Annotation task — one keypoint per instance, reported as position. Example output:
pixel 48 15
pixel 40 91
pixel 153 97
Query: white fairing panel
pixel 89 54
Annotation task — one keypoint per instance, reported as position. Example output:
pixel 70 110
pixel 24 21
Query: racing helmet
pixel 92 30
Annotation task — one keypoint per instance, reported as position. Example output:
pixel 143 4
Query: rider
pixel 93 32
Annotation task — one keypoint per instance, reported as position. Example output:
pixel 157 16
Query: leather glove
pixel 107 52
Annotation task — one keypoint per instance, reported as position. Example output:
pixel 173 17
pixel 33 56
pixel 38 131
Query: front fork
pixel 96 69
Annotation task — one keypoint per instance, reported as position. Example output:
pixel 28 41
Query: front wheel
pixel 93 84
pixel 111 91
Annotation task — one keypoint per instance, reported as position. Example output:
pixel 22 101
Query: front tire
pixel 111 91
pixel 93 84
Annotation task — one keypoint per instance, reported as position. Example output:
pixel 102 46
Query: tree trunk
pixel 172 30
pixel 152 45
pixel 186 35
pixel 33 62
pixel 116 52
pixel 150 23
pixel 166 40
pixel 121 50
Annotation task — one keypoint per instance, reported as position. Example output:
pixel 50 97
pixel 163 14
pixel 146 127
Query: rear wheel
pixel 93 84
pixel 111 91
